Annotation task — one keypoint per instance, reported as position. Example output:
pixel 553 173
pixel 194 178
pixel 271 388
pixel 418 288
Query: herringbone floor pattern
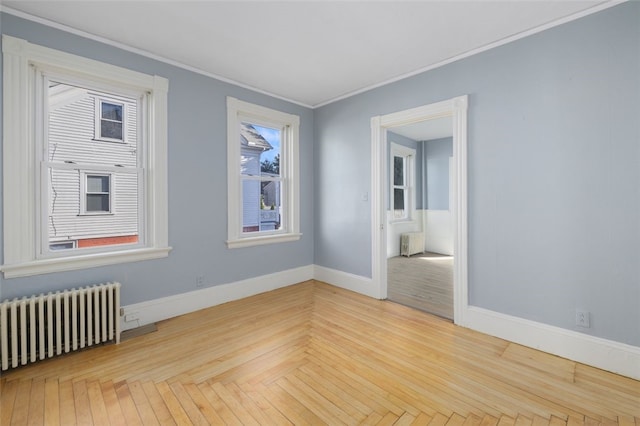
pixel 314 354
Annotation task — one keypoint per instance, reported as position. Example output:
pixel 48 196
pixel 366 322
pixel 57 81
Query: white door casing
pixel 456 108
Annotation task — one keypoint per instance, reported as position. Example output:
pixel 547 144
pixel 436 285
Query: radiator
pixel 38 327
pixel 411 243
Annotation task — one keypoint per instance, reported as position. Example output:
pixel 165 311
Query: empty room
pixel 201 203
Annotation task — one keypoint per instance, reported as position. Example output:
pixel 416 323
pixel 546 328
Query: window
pixel 65 175
pixel 263 178
pixel 402 177
pixel 109 121
pixel 97 194
pixel 62 246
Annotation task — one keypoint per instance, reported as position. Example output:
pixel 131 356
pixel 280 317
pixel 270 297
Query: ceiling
pixel 308 52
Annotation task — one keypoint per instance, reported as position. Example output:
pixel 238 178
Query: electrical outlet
pixel 200 281
pixel 582 318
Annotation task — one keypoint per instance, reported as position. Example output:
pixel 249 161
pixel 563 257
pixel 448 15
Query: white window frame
pixel 409 184
pixel 98 120
pixel 84 176
pixel 24 254
pixel 238 112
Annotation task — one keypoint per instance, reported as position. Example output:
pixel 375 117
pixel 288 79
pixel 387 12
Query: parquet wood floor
pixel 313 354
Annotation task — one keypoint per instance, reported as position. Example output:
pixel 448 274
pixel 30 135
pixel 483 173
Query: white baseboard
pixel 347 281
pixel 168 307
pixel 601 353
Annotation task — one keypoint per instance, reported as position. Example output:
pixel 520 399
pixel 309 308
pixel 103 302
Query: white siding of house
pixel 71 140
pixel 272 194
pixel 250 165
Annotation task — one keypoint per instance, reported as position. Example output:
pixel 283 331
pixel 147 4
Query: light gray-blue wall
pixel 436 159
pixel 197 184
pixel 553 172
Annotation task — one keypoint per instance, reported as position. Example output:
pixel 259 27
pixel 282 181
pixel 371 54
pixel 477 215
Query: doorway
pixel 419 220
pixel 456 110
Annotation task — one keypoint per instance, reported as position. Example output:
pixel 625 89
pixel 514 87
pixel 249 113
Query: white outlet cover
pixel 582 318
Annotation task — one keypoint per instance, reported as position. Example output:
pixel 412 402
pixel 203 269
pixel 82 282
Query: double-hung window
pixel 96 193
pixel 84 168
pixel 402 182
pixel 263 176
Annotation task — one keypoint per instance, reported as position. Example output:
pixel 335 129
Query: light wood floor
pixel 314 354
pixel 422 281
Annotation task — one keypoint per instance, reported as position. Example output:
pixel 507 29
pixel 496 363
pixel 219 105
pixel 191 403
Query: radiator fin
pixel 38 327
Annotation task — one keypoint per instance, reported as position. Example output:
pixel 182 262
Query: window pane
pixel 111 111
pixel 72 141
pixel 399 211
pixel 259 150
pixel 398 171
pixel 111 129
pixel 97 183
pixel 97 202
pixel 61 246
pixel 270 206
pixel 398 199
pixel 260 156
pixel 261 205
pixel 250 206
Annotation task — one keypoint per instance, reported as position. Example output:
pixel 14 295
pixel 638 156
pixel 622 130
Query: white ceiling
pixel 309 52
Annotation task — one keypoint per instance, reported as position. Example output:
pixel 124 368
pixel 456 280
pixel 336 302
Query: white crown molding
pixel 141 52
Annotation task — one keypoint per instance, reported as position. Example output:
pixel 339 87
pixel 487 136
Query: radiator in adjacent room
pixel 38 327
pixel 411 243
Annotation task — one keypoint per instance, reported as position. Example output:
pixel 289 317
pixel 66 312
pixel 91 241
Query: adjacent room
pixel 419 220
pixel 270 212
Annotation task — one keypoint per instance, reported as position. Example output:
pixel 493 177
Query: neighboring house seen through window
pixel 260 177
pixel 65 139
pixel 263 175
pixel 81 170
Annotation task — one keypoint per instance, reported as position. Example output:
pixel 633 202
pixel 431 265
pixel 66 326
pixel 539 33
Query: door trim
pixel 456 108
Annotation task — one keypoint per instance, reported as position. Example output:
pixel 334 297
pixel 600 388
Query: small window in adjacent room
pixel 263 177
pixel 402 182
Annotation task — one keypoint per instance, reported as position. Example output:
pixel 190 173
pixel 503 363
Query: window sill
pixel 263 239
pixel 61 264
pixel 120 141
pixel 96 214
